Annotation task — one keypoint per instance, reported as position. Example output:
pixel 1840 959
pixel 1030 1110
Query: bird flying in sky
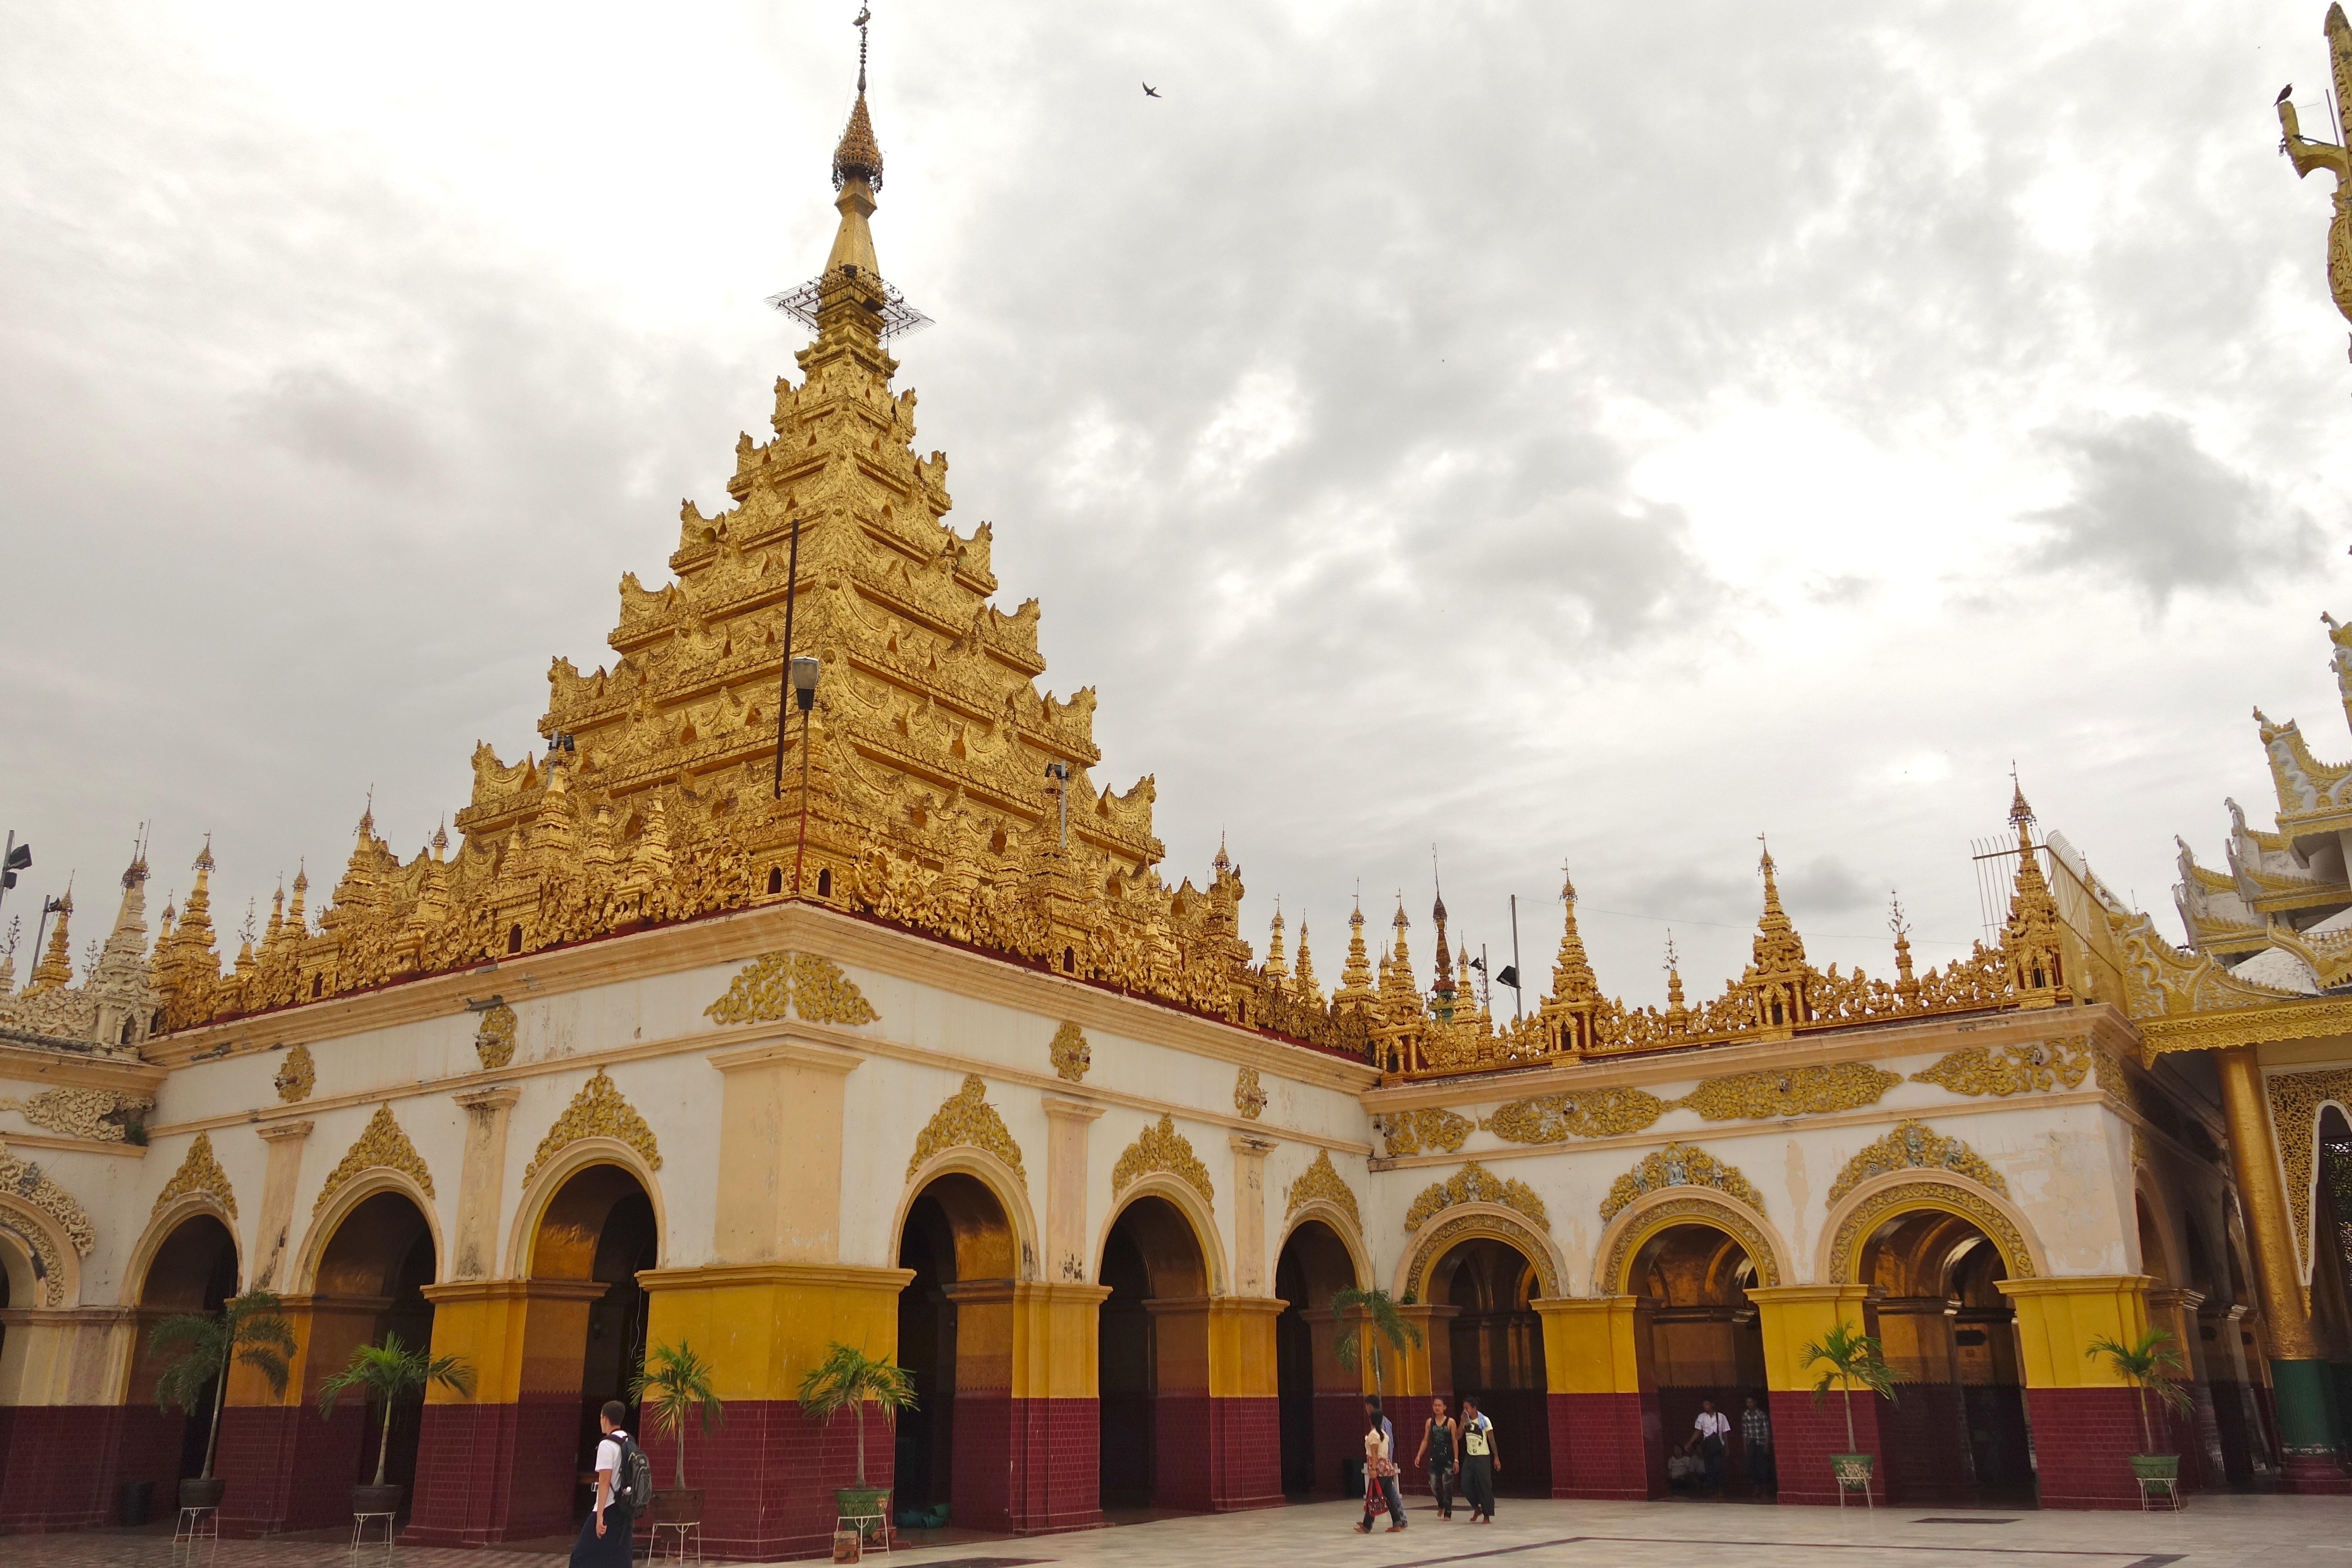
pixel 1150 90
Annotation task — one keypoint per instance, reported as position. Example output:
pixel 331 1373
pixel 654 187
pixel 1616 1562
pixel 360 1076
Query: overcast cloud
pixel 1550 432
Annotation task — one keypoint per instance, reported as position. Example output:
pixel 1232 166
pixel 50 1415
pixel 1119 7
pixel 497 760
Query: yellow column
pixel 60 1371
pixel 1793 1316
pixel 1054 1341
pixel 2058 1319
pixel 779 1130
pixel 1249 1214
pixel 1426 1368
pixel 1594 1346
pixel 518 1335
pixel 764 1325
pixel 1068 1248
pixel 278 1178
pixel 1596 1376
pixel 482 1181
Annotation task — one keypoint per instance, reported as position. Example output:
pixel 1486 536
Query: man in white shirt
pixel 1709 1435
pixel 604 1536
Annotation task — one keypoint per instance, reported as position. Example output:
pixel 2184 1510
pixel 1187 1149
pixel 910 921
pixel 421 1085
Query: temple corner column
pixel 1601 1398
pixel 1805 1433
pixel 2086 1418
pixel 1057 1417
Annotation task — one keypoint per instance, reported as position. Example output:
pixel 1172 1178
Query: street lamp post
pixel 804 671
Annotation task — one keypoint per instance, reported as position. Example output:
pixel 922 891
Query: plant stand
pixel 678 1533
pixel 360 1522
pixel 197 1525
pixel 1852 1472
pixel 2158 1475
pixel 867 1527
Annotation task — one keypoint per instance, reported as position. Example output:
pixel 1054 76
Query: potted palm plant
pixel 846 1380
pixel 1850 1358
pixel 673 1385
pixel 244 1328
pixel 1363 1336
pixel 2151 1366
pixel 391 1372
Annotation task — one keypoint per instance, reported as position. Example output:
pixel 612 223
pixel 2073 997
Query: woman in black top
pixel 1437 1451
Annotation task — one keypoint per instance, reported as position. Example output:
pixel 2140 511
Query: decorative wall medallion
pixel 494 1042
pixel 1791 1091
pixel 1916 1146
pixel 2295 1100
pixel 1441 1238
pixel 1322 1181
pixel 1249 1097
pixel 776 984
pixel 2004 1070
pixel 1160 1147
pixel 1069 1054
pixel 199 1173
pixel 98 1114
pixel 598 1111
pixel 1706 1211
pixel 28 1182
pixel 48 1264
pixel 1474 1183
pixel 298 1076
pixel 966 1118
pixel 1871 1212
pixel 380 1144
pixel 1556 1117
pixel 1678 1165
pixel 1425 1131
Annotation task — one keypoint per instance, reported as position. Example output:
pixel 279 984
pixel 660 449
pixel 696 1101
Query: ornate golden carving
pixel 98 1114
pixel 28 1182
pixel 381 1143
pixel 1474 1183
pixel 1249 1095
pixel 1789 1091
pixel 2295 1100
pixel 1069 1053
pixel 598 1111
pixel 1322 1181
pixel 1556 1117
pixel 298 1076
pixel 1699 1210
pixel 808 983
pixel 1678 1165
pixel 2003 1071
pixel 1430 1130
pixel 1916 1146
pixel 494 1042
pixel 1160 1147
pixel 1846 1251
pixel 1442 1237
pixel 48 1261
pixel 965 1118
pixel 199 1172
pixel 2307 155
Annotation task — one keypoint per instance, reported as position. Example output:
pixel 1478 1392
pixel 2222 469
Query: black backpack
pixel 633 1487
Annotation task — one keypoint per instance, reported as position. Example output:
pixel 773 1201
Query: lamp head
pixel 805 669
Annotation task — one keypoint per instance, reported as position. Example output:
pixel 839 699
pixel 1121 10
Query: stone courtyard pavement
pixel 2211 1532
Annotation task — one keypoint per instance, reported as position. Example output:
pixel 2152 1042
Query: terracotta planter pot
pixel 677 1505
pixel 376 1499
pixel 203 1494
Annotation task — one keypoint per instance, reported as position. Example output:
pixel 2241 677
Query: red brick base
pixel 286 1469
pixel 496 1472
pixel 2083 1442
pixel 58 1467
pixel 1606 1445
pixel 1805 1437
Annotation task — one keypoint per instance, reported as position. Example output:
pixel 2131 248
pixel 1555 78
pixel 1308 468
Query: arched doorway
pixel 370 1284
pixel 1321 1404
pixel 1959 1434
pixel 1152 1362
pixel 1494 1347
pixel 955 1338
pixel 586 1342
pixel 1705 1340
pixel 194 1269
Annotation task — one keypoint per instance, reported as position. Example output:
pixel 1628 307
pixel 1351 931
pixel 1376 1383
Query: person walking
pixel 1755 1450
pixel 1709 1434
pixel 1480 1460
pixel 1436 1450
pixel 604 1535
pixel 1380 1472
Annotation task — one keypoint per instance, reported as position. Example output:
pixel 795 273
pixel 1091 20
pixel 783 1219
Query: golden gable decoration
pixel 778 985
pixel 1474 1183
pixel 1322 1182
pixel 2295 1100
pixel 1940 1196
pixel 494 1042
pixel 199 1172
pixel 1249 1095
pixel 1160 1147
pixel 98 1114
pixel 598 1111
pixel 380 1144
pixel 1789 1091
pixel 1914 1145
pixel 297 1076
pixel 1069 1053
pixel 2003 1071
pixel 1705 1211
pixel 966 1119
pixel 1414 1132
pixel 1441 1239
pixel 28 1182
pixel 50 1264
pixel 1678 1165
pixel 1556 1117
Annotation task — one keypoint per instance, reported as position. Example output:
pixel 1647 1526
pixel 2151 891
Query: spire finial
pixel 864 15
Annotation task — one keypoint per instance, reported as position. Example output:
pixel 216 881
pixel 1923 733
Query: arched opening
pixel 1495 1349
pixel 1321 1406
pixel 370 1284
pixel 2331 1240
pixel 195 1271
pixel 955 1338
pixel 1706 1345
pixel 586 1342
pixel 1959 1434
pixel 1152 1362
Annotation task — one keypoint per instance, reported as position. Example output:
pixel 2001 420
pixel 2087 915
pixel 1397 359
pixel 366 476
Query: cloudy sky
pixel 1550 432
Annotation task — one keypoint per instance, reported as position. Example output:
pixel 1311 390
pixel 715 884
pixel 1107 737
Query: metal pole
pixel 801 847
pixel 1486 982
pixel 1518 991
pixel 784 675
pixel 5 856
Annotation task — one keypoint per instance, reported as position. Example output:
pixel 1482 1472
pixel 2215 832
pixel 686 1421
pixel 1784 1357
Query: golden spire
pixel 55 972
pixel 1443 985
pixel 2332 156
pixel 1356 978
pixel 301 886
pixel 856 175
pixel 1572 980
pixel 1302 981
pixel 1277 968
pixel 1678 1016
pixel 2030 937
pixel 1778 946
pixel 1906 985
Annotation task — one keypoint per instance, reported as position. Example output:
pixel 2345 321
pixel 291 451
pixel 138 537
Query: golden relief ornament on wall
pixel 2295 1101
pixel 777 985
pixel 1069 1054
pixel 1160 1147
pixel 1943 1197
pixel 1556 1117
pixel 48 1262
pixel 98 1114
pixel 1441 1239
pixel 598 1111
pixel 2036 1067
pixel 1321 1182
pixel 1474 1183
pixel 494 1042
pixel 380 1144
pixel 199 1172
pixel 297 1077
pixel 28 1183
pixel 1703 1211
pixel 1915 1145
pixel 966 1120
pixel 1789 1091
pixel 1249 1095
pixel 1428 1131
pixel 1678 1165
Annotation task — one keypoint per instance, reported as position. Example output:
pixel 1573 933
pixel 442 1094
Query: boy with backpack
pixel 624 1485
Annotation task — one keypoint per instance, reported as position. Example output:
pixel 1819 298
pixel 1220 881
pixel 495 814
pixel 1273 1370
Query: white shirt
pixel 1712 1423
pixel 608 1459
